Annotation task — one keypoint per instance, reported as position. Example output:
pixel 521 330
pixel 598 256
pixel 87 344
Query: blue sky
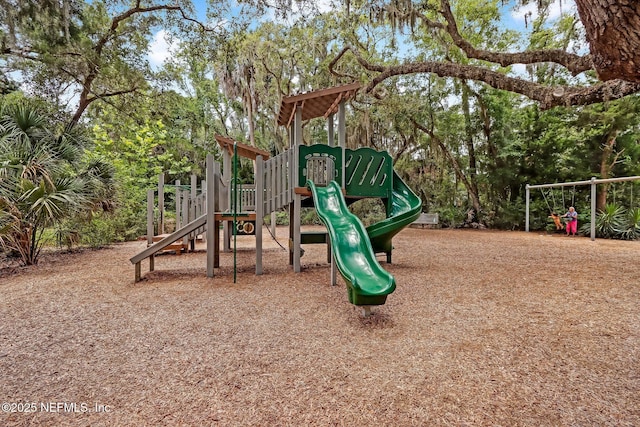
pixel 160 49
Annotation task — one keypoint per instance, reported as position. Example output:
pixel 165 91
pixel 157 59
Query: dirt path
pixel 485 328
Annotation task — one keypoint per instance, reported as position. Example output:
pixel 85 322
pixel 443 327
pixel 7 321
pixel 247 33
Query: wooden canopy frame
pixel 244 150
pixel 318 103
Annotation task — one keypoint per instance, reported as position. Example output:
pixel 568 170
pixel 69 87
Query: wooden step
pixel 176 246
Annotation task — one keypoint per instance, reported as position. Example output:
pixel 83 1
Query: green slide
pixel 405 208
pixel 367 282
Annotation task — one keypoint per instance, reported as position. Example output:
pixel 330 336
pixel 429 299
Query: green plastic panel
pixel 308 153
pixel 368 173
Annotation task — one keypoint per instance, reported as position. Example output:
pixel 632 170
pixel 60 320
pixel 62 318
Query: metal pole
pixel 593 208
pixel 526 217
pixel 597 181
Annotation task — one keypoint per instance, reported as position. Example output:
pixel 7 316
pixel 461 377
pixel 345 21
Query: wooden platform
pixel 178 246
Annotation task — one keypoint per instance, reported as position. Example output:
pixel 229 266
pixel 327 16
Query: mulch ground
pixel 484 328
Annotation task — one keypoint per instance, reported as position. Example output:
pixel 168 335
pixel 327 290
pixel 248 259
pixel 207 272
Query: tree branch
pixel 576 64
pixel 548 97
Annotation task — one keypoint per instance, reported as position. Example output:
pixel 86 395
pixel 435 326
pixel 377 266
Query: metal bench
pixel 429 219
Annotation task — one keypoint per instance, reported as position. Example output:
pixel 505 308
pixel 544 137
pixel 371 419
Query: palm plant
pixel 615 222
pixel 42 181
pixel 632 228
pixel 610 221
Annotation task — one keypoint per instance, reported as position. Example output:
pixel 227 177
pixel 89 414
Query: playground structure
pixel 593 182
pixel 326 176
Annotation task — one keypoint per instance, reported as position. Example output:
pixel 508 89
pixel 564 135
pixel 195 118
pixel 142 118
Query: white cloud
pixel 556 9
pixel 160 49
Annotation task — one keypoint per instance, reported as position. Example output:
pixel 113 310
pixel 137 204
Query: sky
pixel 555 10
pixel 160 49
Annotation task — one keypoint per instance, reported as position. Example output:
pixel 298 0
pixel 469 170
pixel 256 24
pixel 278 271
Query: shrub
pixel 615 222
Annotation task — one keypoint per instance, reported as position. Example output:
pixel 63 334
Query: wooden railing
pixel 278 191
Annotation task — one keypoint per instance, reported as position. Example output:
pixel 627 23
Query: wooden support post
pixel 150 228
pixel 138 272
pixel 203 206
pixel 259 180
pixel 192 210
pixel 334 269
pixel 298 141
pixel 185 211
pixel 328 248
pixel 216 244
pixel 226 171
pixel 342 137
pixel 178 205
pixel 161 203
pixel 297 205
pixel 297 199
pixel 211 211
pixel 290 246
pixel 330 132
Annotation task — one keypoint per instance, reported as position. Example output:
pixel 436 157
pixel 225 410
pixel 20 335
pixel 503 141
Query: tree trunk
pixel 613 31
pixel 473 168
pixel 606 163
pixel 453 161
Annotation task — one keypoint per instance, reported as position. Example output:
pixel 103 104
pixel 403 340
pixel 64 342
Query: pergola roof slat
pixel 318 103
pixel 244 150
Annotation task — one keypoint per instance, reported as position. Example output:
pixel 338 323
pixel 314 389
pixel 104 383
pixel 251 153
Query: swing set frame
pixel 593 182
pixel 553 198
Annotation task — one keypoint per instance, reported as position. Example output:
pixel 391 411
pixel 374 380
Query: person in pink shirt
pixel 572 221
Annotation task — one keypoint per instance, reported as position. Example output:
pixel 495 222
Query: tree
pixel 90 50
pixel 44 179
pixel 611 29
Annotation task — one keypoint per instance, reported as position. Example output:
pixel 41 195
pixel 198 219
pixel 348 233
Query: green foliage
pixel 451 216
pixel 140 149
pixel 508 216
pixel 456 142
pixel 616 222
pixel 309 216
pixel 631 230
pixel 44 179
pixel 282 218
pixel 369 211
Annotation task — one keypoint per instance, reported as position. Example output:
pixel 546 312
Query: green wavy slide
pixel 367 282
pixel 405 208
